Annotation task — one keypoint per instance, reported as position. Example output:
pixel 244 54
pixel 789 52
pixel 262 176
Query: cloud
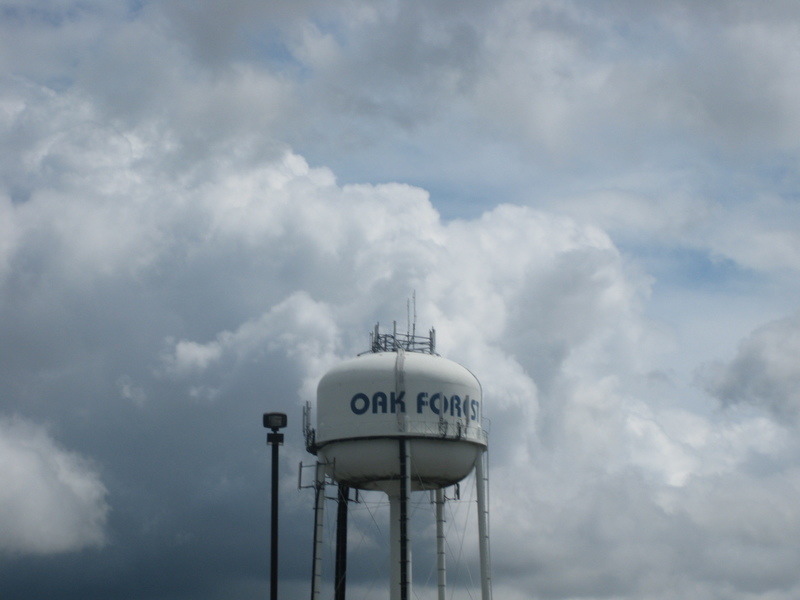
pixel 203 209
pixel 235 280
pixel 299 327
pixel 52 500
pixel 764 373
pixel 230 281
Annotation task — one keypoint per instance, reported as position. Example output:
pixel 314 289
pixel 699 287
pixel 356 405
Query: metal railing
pixel 409 342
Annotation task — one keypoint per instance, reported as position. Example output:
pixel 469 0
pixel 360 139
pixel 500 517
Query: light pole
pixel 274 421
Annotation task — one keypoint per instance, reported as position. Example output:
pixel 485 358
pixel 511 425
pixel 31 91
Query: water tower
pixel 399 419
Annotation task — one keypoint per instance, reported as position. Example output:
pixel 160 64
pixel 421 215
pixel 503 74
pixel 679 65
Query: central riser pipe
pixel 398 532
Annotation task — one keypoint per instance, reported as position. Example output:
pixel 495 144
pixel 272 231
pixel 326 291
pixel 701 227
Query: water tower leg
pixel 319 508
pixel 394 544
pixel 481 484
pixel 400 553
pixel 440 555
pixel 340 577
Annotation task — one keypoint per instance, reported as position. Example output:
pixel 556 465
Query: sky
pixel 204 206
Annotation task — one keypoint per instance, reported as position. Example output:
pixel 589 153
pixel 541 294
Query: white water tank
pixel 366 404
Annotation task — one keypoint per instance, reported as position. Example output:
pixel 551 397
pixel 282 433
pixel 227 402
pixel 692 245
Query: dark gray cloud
pixel 763 373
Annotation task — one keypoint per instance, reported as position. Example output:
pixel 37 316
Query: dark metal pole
pixel 319 509
pixel 341 542
pixel 273 571
pixel 274 421
pixel 404 561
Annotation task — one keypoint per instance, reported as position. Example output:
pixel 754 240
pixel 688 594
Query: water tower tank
pixel 399 391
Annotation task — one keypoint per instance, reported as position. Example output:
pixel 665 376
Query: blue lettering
pixel 359 410
pixel 455 404
pixel 421 401
pixel 398 404
pixel 474 406
pixel 438 404
pixel 378 401
pixel 434 398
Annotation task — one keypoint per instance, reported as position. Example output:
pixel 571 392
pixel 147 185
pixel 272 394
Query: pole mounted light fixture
pixel 274 421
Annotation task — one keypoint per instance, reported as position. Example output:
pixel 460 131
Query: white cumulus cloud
pixel 52 500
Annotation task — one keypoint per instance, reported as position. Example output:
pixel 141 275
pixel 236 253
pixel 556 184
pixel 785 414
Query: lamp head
pixel 274 420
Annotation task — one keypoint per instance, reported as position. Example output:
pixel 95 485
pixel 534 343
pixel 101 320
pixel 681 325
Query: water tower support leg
pixel 319 508
pixel 440 555
pixel 481 484
pixel 341 542
pixel 394 544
